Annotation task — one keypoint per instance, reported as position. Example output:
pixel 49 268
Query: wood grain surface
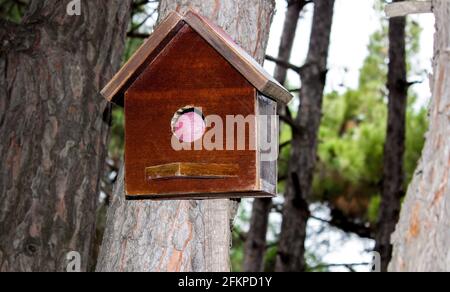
pixel 204 80
pixel 215 36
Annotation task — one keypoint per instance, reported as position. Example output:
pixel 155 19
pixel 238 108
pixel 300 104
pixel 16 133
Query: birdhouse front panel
pixel 188 82
pixel 193 105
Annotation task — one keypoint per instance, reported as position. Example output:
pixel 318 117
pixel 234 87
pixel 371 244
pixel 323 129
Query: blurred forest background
pixel 348 177
pixel 343 209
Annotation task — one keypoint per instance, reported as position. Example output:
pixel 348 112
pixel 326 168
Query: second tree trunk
pixel 291 249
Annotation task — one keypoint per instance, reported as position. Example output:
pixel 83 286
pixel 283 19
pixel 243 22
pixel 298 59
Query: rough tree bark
pixel 255 244
pixel 394 148
pixel 291 248
pixel 184 235
pixel 422 238
pixel 53 137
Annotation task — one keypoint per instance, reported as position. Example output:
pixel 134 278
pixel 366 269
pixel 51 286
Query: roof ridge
pixel 217 37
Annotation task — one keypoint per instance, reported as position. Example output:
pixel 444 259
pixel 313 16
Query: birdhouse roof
pixel 215 36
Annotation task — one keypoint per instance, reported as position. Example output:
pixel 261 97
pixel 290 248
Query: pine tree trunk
pixel 53 137
pixel 255 244
pixel 394 149
pixel 187 236
pixel 422 238
pixel 303 158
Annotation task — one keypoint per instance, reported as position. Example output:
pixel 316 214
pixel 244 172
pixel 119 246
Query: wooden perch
pixel 405 8
pixel 191 170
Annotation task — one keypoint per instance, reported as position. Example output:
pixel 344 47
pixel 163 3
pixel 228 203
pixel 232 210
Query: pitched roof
pixel 215 36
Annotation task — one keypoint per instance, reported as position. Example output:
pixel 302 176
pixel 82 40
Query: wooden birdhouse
pixel 193 105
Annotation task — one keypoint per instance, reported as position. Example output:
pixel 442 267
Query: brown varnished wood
pixel 238 57
pixel 187 72
pixel 115 89
pixel 215 36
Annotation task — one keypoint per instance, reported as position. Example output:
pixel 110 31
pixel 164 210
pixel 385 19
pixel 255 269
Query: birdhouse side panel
pixel 268 147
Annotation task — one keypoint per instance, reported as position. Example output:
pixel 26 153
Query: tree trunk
pixel 394 149
pixel 53 135
pixel 291 248
pixel 187 236
pixel 255 244
pixel 422 238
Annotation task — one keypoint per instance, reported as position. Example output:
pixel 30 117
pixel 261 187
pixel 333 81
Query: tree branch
pixel 405 8
pixel 349 266
pixel 285 64
pixel 285 144
pixel 291 122
pixel 137 4
pixel 339 220
pixel 137 35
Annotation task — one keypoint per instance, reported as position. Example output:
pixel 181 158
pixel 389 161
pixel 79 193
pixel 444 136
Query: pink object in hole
pixel 189 127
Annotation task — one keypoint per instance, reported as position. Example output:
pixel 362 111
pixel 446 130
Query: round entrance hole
pixel 188 124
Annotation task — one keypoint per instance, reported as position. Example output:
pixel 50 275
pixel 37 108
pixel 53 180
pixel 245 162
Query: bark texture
pixel 394 149
pixel 255 244
pixel 291 248
pixel 186 236
pixel 53 137
pixel 422 238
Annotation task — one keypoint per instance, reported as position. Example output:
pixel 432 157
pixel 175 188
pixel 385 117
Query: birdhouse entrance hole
pixel 188 124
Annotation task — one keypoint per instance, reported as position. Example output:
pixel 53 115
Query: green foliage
pixel 315 264
pixel 12 10
pixel 415 139
pixel 285 138
pixel 374 207
pixel 270 259
pixel 237 251
pixel 117 140
pixel 353 134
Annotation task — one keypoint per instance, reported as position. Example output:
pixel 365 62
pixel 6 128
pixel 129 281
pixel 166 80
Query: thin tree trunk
pixel 394 149
pixel 53 137
pixel 422 238
pixel 255 244
pixel 184 235
pixel 291 248
pixel 294 9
